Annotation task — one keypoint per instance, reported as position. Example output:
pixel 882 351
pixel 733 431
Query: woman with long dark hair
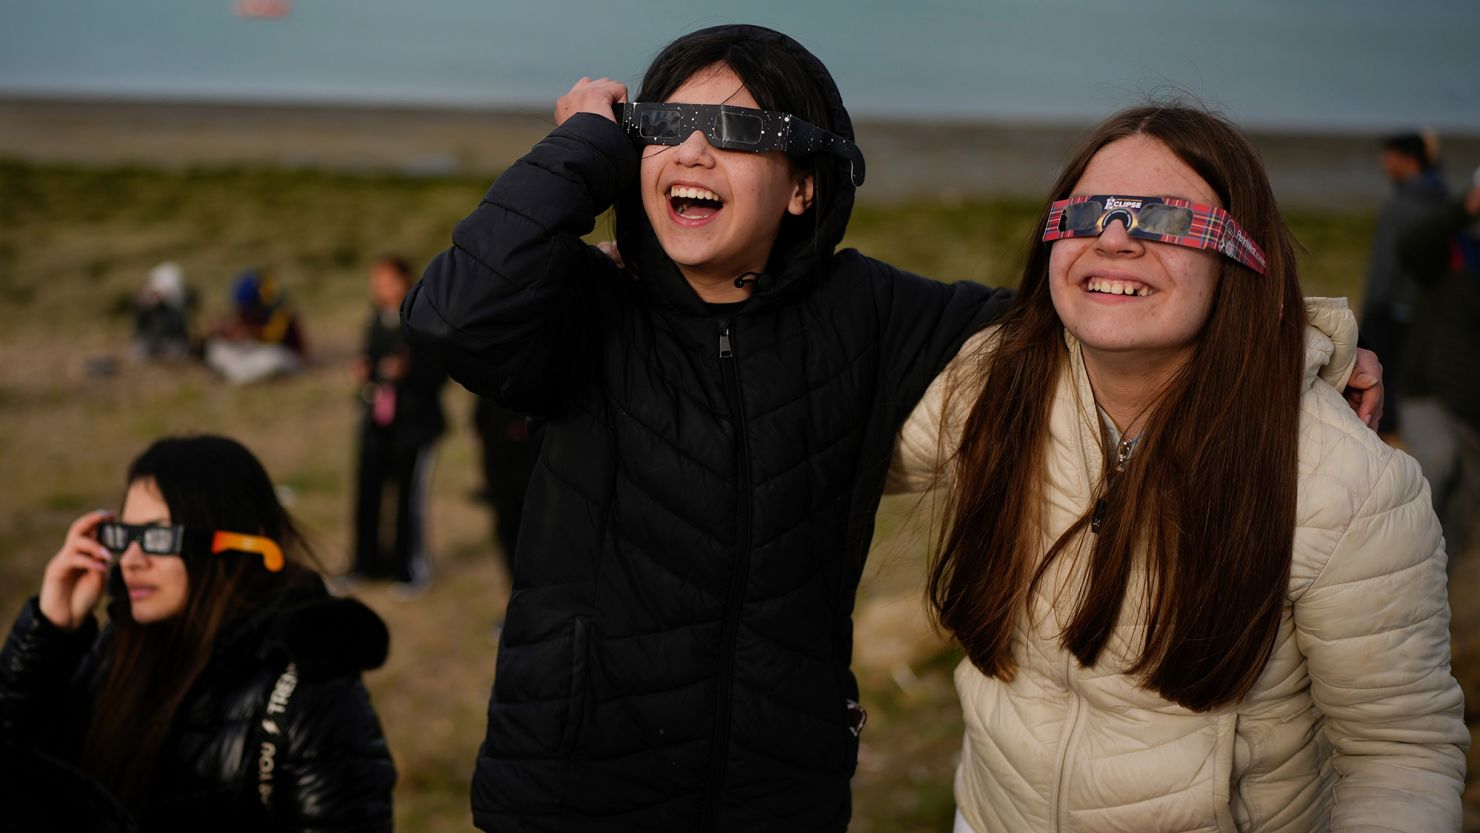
pixel 1195 593
pixel 225 692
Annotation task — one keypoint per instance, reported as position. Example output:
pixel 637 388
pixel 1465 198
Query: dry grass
pixel 74 243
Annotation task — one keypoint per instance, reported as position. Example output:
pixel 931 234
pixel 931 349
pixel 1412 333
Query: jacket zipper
pixel 1122 457
pixel 1123 452
pixel 736 595
pixel 1071 726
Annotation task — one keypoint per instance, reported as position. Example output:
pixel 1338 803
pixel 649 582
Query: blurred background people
pixel 1410 162
pixel 1441 408
pixel 400 422
pixel 225 693
pixel 262 338
pixel 162 314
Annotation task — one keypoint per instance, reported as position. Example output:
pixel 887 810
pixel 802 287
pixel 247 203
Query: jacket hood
pixel 792 265
pixel 325 636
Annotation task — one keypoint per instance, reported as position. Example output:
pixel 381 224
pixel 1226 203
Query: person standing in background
pixel 1441 426
pixel 1410 162
pixel 401 419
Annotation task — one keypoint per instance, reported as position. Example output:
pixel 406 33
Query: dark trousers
pixel 407 470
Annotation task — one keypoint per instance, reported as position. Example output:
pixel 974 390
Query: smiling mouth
pixel 1114 287
pixel 694 203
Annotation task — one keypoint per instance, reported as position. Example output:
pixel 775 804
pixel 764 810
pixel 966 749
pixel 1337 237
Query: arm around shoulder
pixel 1374 627
pixel 925 322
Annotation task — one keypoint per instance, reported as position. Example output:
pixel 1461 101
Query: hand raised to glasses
pixel 589 96
pixel 76 576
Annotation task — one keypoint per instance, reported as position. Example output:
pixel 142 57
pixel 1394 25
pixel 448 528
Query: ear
pixel 801 195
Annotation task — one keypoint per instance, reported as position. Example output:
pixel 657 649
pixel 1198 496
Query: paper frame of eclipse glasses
pixel 1163 219
pixel 156 539
pixel 735 128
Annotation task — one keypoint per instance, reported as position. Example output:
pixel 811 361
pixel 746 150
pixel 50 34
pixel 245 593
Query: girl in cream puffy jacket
pixel 1353 722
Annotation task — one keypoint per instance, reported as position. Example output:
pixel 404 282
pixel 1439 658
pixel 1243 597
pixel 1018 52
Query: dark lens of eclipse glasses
pixel 659 124
pixel 1173 220
pixel 739 128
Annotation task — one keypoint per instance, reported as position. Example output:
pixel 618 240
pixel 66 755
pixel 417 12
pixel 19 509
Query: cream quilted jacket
pixel 1356 723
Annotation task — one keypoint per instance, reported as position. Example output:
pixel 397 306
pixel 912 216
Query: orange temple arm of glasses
pixel 272 554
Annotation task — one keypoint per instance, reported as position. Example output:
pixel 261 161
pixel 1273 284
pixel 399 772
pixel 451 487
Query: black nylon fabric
pixel 675 653
pixel 331 770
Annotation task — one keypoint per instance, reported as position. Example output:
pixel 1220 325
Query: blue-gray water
pixel 1367 65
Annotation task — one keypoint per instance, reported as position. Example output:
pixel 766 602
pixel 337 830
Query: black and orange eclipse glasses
pixel 179 540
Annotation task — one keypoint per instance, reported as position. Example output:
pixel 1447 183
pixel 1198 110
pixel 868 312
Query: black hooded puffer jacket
pixel 676 650
pixel 328 767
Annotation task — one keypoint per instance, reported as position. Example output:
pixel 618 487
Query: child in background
pixel 400 422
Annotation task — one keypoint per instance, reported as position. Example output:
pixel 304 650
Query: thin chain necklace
pixel 1124 448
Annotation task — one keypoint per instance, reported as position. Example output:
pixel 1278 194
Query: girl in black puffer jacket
pixel 225 693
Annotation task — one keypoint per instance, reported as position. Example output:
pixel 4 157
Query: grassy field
pixel 74 243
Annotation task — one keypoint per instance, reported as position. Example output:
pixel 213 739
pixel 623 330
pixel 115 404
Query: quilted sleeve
pixel 1374 627
pixel 923 323
pixel 510 305
pixel 928 439
pixel 36 669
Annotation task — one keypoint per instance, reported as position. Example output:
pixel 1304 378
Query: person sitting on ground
pixel 225 693
pixel 263 337
pixel 162 314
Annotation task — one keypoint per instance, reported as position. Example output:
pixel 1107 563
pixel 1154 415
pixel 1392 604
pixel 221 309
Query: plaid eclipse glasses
pixel 735 128
pixel 179 540
pixel 1163 219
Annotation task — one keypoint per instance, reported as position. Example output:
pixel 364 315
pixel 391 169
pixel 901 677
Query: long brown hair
pixel 207 482
pixel 1207 505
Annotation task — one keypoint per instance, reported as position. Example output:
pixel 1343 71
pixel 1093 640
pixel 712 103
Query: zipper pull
pixel 724 344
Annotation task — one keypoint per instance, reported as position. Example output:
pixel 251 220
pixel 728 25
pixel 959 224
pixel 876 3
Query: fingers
pixel 87 562
pixel 588 96
pixel 87 523
pixel 609 248
pixel 1366 392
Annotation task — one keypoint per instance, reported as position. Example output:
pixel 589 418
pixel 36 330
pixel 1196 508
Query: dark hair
pixel 397 264
pixel 1411 145
pixel 1206 507
pixel 778 77
pixel 211 483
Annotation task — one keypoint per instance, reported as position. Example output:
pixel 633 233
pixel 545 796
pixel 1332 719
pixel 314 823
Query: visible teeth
pixel 685 192
pixel 1117 287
